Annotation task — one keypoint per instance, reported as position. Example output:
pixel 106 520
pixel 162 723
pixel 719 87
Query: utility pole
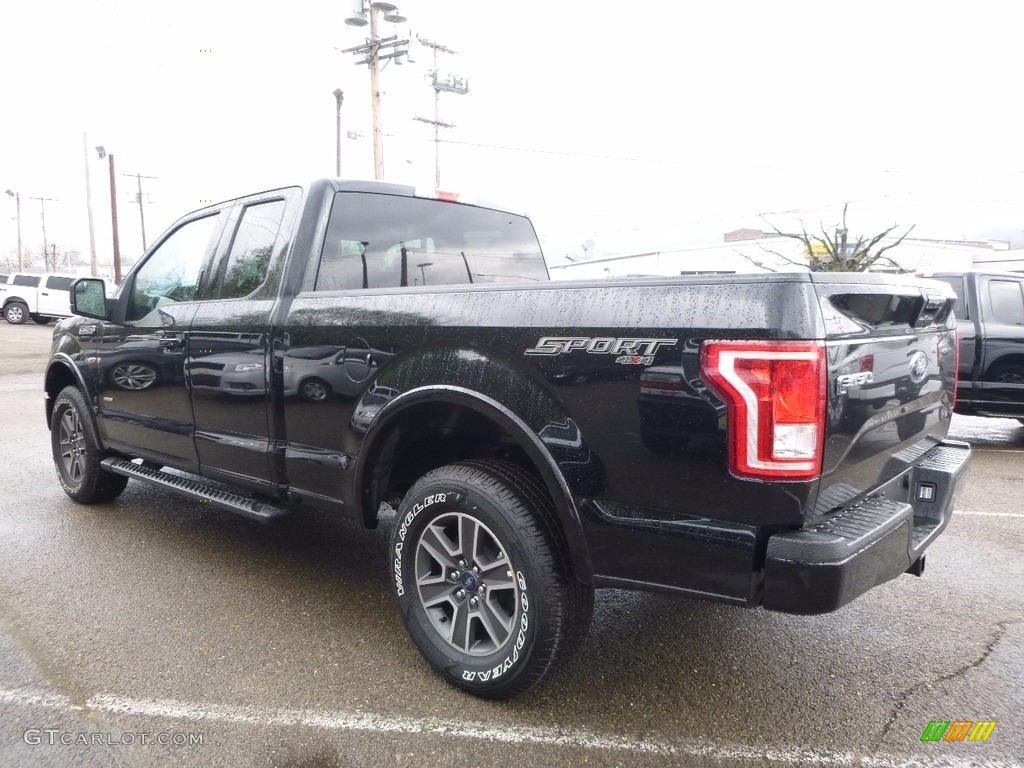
pixel 42 212
pixel 374 64
pixel 451 84
pixel 17 208
pixel 102 152
pixel 339 97
pixel 93 264
pixel 138 198
pixel 376 49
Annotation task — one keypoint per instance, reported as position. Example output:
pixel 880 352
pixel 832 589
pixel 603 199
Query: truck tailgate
pixel 891 352
pixel 887 470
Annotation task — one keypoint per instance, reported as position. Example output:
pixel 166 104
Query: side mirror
pixel 88 298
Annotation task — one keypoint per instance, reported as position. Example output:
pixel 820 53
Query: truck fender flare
pixel 63 360
pixel 551 475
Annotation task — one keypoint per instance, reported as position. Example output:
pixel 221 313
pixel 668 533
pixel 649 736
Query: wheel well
pixel 1003 362
pixel 57 378
pixel 429 436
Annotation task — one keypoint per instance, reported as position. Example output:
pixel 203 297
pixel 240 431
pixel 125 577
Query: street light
pixel 339 97
pixel 376 49
pixel 17 203
pixel 423 272
pixel 102 152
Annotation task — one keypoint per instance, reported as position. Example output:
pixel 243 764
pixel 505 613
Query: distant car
pixel 317 373
pixel 370 406
pixel 40 297
pixel 990 327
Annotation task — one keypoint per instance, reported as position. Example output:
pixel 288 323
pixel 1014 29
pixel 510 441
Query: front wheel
pixel 483 580
pixel 16 313
pixel 76 453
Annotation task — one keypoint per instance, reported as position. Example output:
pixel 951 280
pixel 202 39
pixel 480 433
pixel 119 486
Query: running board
pixel 232 502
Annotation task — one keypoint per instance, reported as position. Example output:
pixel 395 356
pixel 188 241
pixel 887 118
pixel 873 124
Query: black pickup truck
pixel 990 324
pixel 767 440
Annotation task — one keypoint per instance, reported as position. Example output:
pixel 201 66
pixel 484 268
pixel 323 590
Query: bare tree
pixel 835 250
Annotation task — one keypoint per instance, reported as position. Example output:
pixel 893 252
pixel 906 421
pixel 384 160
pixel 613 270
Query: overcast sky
pixel 639 126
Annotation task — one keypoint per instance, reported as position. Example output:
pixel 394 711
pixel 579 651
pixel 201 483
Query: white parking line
pixel 976 513
pixel 534 735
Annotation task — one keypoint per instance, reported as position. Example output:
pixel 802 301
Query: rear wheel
pixel 16 313
pixel 483 580
pixel 1008 373
pixel 76 453
pixel 315 390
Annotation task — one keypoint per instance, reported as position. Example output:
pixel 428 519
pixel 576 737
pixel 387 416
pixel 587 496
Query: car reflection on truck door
pixel 140 353
pixel 230 342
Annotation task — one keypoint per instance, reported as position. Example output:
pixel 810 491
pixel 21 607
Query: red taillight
pixel 775 395
pixel 956 369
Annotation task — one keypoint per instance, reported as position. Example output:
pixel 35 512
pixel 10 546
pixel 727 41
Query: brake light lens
pixel 438 194
pixel 956 368
pixel 774 393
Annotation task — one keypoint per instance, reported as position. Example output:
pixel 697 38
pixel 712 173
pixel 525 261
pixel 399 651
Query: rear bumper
pixel 868 543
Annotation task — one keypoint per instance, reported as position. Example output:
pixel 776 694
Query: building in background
pixel 752 251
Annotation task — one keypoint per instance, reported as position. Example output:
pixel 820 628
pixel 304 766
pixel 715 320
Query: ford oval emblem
pixel 918 367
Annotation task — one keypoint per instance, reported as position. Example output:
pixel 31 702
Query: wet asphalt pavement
pixel 156 631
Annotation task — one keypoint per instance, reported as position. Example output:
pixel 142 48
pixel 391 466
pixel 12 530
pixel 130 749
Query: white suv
pixel 41 297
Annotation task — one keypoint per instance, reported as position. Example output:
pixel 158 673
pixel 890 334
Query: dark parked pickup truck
pixel 990 323
pixel 346 346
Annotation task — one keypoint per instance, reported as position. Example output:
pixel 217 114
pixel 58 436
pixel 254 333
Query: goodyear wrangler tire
pixel 76 453
pixel 483 580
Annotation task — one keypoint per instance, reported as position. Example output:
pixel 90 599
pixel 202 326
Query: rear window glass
pixel 1007 301
pixel 962 311
pixel 390 241
pixel 30 281
pixel 59 283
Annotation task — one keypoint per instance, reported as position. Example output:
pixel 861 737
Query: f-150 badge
pixel 629 351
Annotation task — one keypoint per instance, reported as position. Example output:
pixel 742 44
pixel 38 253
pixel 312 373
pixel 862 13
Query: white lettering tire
pixel 483 579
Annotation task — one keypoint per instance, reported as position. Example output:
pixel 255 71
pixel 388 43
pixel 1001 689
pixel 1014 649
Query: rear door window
pixel 29 281
pixel 246 266
pixel 59 283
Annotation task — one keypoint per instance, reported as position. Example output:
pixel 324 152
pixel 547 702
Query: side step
pixel 232 502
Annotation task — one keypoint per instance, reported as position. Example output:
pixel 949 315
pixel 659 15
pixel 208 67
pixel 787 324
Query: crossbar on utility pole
pixel 372 50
